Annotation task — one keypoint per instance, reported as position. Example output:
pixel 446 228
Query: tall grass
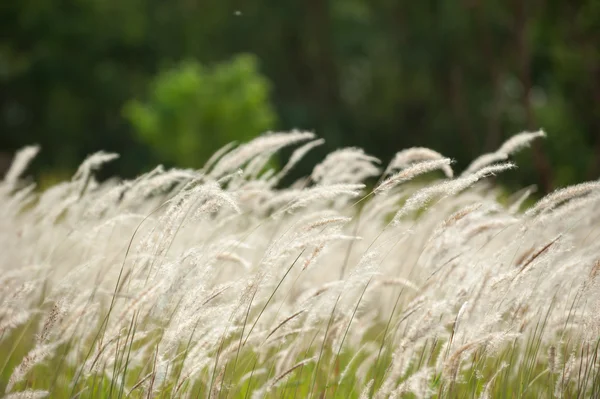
pixel 351 282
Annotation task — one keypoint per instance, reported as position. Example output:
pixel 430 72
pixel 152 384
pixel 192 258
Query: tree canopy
pixel 172 81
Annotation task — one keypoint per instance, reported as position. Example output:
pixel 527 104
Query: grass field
pixel 358 281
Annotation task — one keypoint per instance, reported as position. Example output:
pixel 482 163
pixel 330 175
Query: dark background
pixel 171 81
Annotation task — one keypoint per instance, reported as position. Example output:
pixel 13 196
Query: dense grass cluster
pixel 224 283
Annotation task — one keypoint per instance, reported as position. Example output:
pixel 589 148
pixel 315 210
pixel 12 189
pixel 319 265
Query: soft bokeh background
pixel 172 81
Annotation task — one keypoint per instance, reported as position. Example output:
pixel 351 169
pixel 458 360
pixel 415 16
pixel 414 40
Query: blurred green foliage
pixel 192 110
pixel 457 76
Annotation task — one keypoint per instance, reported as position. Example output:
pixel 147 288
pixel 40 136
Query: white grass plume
pixel 410 156
pixel 411 172
pixel 510 146
pixel 347 165
pixel 265 144
pixel 92 163
pixel 20 162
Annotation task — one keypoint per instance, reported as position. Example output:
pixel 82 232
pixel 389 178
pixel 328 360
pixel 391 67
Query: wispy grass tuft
pixel 220 283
